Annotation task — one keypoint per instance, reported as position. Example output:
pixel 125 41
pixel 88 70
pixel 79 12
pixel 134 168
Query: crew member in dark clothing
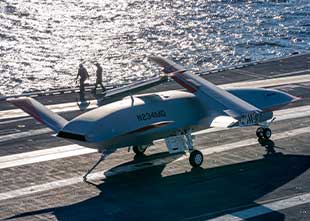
pixel 82 73
pixel 99 79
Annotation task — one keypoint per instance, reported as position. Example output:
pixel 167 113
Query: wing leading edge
pixel 225 102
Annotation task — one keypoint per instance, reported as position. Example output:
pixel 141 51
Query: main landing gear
pixel 195 157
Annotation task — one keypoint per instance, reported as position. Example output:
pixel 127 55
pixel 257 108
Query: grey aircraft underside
pixel 138 120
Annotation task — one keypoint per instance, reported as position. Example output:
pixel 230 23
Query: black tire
pixel 267 133
pixel 260 132
pixel 139 150
pixel 196 158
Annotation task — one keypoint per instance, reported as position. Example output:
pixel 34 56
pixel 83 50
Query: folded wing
pixel 222 102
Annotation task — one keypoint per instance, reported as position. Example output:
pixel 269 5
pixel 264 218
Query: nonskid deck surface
pixel 41 174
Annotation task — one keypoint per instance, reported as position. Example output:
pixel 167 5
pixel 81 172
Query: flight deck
pixel 41 175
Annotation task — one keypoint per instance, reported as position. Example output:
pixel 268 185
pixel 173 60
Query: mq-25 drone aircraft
pixel 173 115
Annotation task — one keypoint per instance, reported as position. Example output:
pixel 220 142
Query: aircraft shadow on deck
pixel 147 195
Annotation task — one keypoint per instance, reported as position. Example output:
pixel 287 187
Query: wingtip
pixel 296 98
pixel 18 100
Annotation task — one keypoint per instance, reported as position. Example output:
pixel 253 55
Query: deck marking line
pixel 24 134
pixel 292 73
pixel 265 208
pixel 138 166
pixel 15 120
pixel 44 155
pixel 269 82
pixel 60 152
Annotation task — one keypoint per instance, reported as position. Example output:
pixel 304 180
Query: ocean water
pixel 43 42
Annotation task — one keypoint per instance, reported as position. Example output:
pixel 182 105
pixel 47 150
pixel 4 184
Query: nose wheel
pixel 264 140
pixel 263 133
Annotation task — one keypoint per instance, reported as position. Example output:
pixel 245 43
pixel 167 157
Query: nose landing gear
pixel 264 133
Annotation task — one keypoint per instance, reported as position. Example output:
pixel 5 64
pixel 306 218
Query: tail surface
pixel 39 112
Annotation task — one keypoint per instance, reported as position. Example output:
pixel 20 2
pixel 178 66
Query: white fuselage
pixel 141 119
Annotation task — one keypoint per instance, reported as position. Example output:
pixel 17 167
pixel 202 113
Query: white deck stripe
pixel 13 136
pixel 44 155
pixel 270 82
pixel 265 208
pixel 66 107
pixel 291 73
pixel 76 150
pixel 138 166
pixel 15 120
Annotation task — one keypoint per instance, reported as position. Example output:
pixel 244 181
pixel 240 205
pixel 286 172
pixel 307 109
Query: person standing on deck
pixel 99 79
pixel 83 74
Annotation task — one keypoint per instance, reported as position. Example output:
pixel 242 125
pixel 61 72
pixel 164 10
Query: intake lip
pixel 71 136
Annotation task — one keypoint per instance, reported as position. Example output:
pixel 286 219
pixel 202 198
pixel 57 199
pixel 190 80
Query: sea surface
pixel 42 42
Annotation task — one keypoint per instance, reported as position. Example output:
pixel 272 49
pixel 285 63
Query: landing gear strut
pixel 103 156
pixel 139 150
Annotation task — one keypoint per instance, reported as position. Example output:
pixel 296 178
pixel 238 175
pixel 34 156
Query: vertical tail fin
pixel 39 112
